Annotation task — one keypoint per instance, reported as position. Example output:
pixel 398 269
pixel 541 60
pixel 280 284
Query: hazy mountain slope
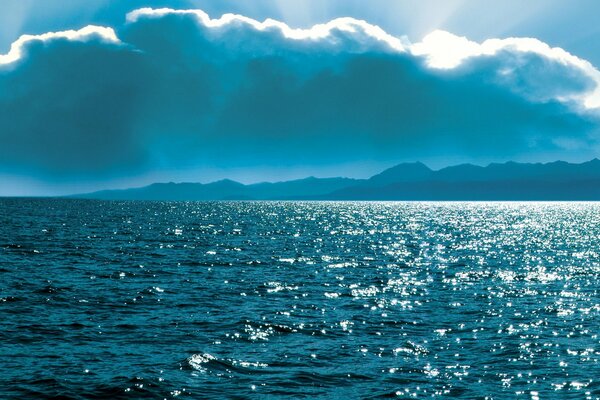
pixel 227 190
pixel 409 181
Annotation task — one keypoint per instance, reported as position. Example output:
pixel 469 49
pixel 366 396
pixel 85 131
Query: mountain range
pixel 558 180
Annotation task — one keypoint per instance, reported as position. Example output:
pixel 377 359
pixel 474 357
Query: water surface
pixel 299 299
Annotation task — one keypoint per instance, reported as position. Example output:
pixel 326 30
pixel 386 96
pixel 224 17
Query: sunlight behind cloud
pixel 444 50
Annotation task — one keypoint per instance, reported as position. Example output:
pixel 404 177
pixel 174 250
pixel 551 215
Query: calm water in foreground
pixel 291 299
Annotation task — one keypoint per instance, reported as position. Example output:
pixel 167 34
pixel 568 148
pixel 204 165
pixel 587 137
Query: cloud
pixel 82 35
pixel 175 89
pixel 444 50
pixel 67 101
pixel 326 31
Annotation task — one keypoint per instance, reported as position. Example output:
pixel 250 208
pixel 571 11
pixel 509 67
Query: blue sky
pixel 171 95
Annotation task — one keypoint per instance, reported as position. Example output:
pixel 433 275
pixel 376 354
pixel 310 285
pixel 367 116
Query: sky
pixel 109 94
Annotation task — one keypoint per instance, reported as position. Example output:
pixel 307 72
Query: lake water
pixel 156 300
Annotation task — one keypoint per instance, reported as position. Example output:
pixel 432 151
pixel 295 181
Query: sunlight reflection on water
pixel 334 299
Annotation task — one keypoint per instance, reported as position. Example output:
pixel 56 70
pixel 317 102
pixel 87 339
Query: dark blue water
pixel 220 300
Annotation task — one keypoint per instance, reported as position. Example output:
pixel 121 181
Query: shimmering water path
pixel 288 299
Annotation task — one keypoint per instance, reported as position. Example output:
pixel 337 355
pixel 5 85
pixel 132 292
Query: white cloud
pixel 441 49
pixel 91 31
pixel 317 32
pixel 444 50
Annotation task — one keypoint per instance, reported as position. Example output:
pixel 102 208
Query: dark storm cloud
pixel 70 108
pixel 177 90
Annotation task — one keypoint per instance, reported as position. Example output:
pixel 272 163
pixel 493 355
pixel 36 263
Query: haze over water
pixel 299 299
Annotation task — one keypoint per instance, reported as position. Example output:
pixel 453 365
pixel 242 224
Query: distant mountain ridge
pixel 557 180
pixel 227 190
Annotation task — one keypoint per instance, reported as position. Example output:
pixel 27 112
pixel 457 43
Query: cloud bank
pixel 176 89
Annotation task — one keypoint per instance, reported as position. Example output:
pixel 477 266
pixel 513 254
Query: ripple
pixel 299 299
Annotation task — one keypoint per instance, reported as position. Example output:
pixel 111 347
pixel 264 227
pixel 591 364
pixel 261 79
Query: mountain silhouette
pixel 408 181
pixel 227 190
pixel 407 172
